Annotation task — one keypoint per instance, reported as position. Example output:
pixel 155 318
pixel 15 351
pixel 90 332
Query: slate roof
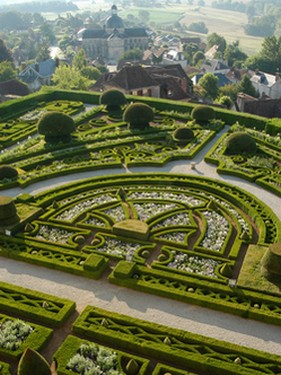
pixel 102 34
pixel 13 87
pixel 133 77
pixel 262 78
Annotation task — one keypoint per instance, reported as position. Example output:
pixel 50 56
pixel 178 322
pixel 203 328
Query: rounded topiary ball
pixel 8 211
pixel 138 115
pixel 113 99
pixel 6 171
pixel 183 134
pixel 55 125
pixel 203 113
pixel 240 142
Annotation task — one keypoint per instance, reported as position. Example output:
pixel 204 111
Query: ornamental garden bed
pixel 183 237
pixel 197 233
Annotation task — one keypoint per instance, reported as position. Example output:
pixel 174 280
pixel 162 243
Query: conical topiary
pixel 132 367
pixel 34 363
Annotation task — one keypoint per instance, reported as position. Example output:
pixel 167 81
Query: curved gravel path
pixel 100 293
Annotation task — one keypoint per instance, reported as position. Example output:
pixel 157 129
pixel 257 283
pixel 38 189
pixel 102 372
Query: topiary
pixel 6 171
pixel 32 362
pixel 203 113
pixel 8 211
pixel 240 142
pixel 271 260
pixel 55 126
pixel 138 115
pixel 183 134
pixel 113 99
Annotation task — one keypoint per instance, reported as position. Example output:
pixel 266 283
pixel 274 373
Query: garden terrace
pixel 184 237
pixel 198 234
pixel 263 167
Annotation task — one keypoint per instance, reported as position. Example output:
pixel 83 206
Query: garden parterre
pixel 198 229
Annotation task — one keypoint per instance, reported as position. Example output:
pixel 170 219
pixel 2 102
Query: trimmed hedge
pixel 29 304
pixel 36 340
pixel 138 115
pixel 239 143
pixel 238 301
pixel 126 361
pixel 55 125
pixel 185 349
pixel 203 114
pixel 7 171
pixel 113 99
pixel 32 361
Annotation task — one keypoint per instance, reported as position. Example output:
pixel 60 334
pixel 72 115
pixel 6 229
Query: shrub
pixel 240 142
pixel 271 260
pixel 55 125
pixel 113 99
pixel 6 171
pixel 138 115
pixel 273 126
pixel 32 362
pixel 8 211
pixel 203 113
pixel 183 134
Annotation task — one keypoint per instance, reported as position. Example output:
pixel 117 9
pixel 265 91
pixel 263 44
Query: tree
pixel 5 54
pixel 198 27
pixel 80 60
pixel 230 90
pixel 132 55
pixel 233 53
pixel 261 26
pixel 67 77
pixel 216 39
pixel 210 83
pixel 247 87
pixel 7 71
pixel 91 72
pixel 198 57
pixel 43 52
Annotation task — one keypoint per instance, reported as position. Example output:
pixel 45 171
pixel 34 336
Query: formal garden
pixel 181 236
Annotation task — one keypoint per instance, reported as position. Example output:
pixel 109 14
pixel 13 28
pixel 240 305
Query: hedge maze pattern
pixel 181 237
pixel 197 235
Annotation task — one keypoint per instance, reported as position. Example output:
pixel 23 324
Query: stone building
pixel 112 40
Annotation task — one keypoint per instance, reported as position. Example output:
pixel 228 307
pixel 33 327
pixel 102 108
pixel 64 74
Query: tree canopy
pixel 67 77
pixel 7 71
pixel 5 54
pixel 210 83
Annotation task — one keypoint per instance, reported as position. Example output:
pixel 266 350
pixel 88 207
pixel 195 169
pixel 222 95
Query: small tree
pixel 247 87
pixel 113 99
pixel 8 211
pixel 210 83
pixel 138 115
pixel 56 126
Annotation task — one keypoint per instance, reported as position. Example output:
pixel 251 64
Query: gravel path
pixel 144 306
pixel 156 309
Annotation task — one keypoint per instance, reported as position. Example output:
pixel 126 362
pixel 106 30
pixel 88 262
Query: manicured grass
pixel 253 276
